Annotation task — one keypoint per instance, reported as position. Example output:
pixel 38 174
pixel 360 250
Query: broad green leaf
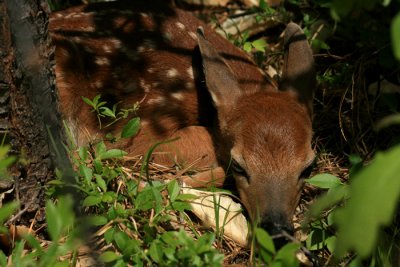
pixel 83 152
pixel 247 47
pixel 112 154
pixel 91 201
pixel 54 223
pixel 3 259
pixel 265 240
pixel 374 191
pixel 173 190
pixel 100 148
pixel 332 197
pixel 86 172
pixel 121 239
pixel 259 45
pixel 325 181
pixel 286 256
pixel 97 220
pixel 7 210
pixel 395 30
pixel 131 128
pixel 156 251
pixel 4 163
pixel 100 182
pixel 108 256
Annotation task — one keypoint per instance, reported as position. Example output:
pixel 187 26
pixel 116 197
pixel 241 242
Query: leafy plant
pixel 102 111
pixel 369 203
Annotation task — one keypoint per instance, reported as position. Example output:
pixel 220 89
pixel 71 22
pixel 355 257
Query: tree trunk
pixel 27 77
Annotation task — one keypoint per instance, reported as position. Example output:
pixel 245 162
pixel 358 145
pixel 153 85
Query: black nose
pixel 279 228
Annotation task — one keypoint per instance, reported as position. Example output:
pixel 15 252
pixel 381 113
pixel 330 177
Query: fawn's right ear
pixel 298 71
pixel 221 83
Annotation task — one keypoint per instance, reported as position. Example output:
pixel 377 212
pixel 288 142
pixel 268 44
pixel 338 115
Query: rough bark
pixel 26 75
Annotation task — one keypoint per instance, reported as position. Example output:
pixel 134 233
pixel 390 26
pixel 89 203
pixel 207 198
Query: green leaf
pixel 96 100
pixel 100 148
pixel 112 154
pixel 185 197
pixel 7 210
pixel 108 256
pixel 395 31
pixel 107 112
pixel 173 190
pixel 54 222
pixel 131 128
pixel 100 182
pixel 332 197
pixel 97 220
pixel 259 45
pixel 88 101
pixel 86 172
pixel 286 256
pixel 374 192
pixel 247 47
pixel 121 239
pixel 3 259
pixel 156 251
pixel 91 201
pixel 83 153
pixel 325 181
pixel 264 240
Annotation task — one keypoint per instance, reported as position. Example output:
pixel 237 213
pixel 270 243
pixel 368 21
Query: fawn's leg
pixel 193 151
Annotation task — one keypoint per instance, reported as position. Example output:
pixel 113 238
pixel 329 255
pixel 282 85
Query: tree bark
pixel 27 76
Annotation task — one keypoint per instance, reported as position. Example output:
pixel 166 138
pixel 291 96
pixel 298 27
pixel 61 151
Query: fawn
pixel 193 84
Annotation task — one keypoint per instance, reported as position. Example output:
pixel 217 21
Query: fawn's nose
pixel 279 227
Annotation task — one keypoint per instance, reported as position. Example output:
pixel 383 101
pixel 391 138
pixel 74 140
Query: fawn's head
pixel 268 132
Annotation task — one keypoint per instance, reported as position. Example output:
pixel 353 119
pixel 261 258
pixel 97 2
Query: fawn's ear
pixel 221 82
pixel 298 71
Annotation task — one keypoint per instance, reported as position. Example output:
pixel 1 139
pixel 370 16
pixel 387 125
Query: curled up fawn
pixel 193 84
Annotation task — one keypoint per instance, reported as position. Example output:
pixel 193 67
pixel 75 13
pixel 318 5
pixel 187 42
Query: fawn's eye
pixel 237 169
pixel 307 172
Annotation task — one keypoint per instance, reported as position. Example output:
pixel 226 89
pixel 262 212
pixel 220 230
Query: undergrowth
pixel 132 218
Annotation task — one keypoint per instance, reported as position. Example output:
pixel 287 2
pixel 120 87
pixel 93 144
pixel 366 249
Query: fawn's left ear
pixel 221 82
pixel 298 72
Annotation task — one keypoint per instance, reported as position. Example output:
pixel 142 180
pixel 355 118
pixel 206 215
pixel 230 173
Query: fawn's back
pixel 194 85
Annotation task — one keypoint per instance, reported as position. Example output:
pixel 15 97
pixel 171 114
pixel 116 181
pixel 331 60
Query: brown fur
pixel 196 86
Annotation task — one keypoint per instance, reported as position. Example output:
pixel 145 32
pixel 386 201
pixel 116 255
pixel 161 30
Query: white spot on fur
pixel 144 85
pixel 150 70
pixel 116 43
pixel 190 72
pixel 141 49
pixel 77 39
pixel 180 25
pixel 193 35
pixel 88 29
pixel 171 73
pixel 144 15
pixel 156 100
pixel 178 96
pixel 102 61
pixel 107 49
pixel 98 84
pixel 189 85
